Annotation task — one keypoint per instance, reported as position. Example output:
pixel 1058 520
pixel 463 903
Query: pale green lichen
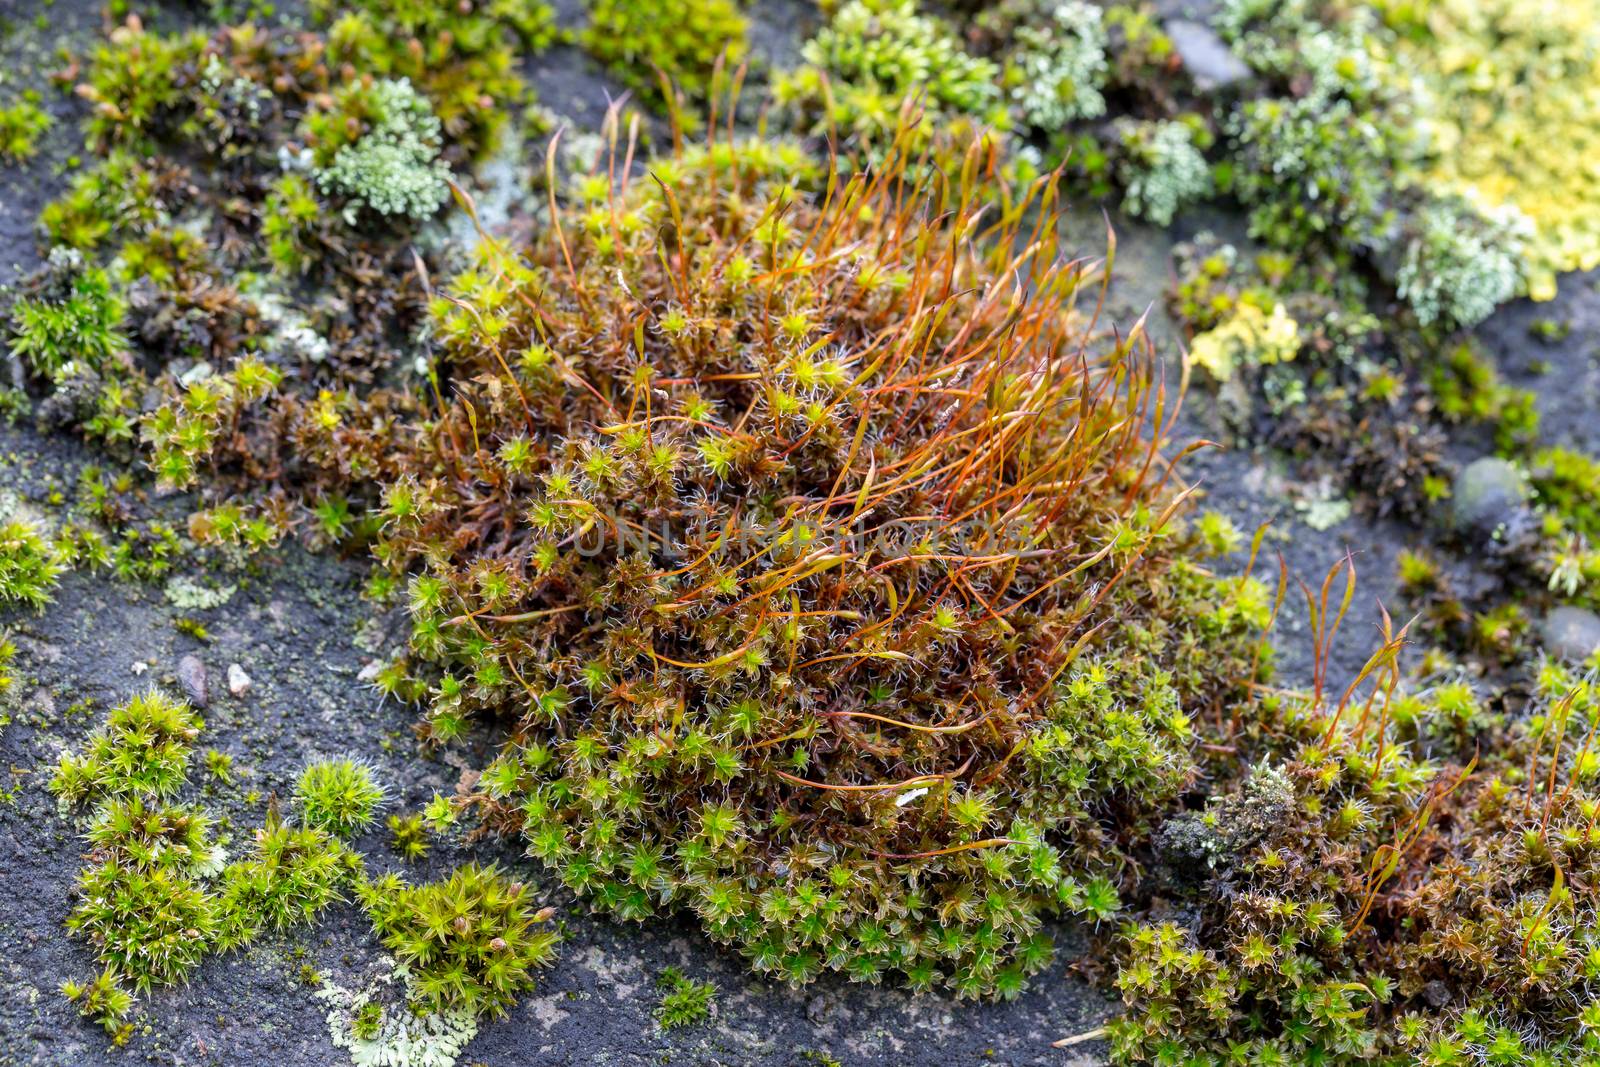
pixel 1057 66
pixel 1463 263
pixel 186 594
pixel 400 1037
pixel 394 167
pixel 1161 168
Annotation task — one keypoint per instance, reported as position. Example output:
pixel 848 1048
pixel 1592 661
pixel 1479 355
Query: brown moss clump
pixel 1385 873
pixel 821 557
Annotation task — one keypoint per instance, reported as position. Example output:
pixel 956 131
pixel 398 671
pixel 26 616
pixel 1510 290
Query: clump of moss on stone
pixel 679 40
pixel 338 796
pixel 463 55
pixel 21 126
pixel 828 605
pixel 142 751
pixel 1401 877
pixel 289 877
pixel 209 288
pixel 862 70
pixel 141 907
pixel 471 943
pixel 103 999
pixel 407 837
pixel 153 903
pixel 70 316
pixel 684 1000
pixel 30 566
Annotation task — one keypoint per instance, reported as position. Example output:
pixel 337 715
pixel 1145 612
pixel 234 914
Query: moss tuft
pixel 30 566
pixel 681 40
pixel 338 796
pixel 760 655
pixel 472 942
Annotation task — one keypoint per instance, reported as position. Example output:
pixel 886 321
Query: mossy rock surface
pixel 294 628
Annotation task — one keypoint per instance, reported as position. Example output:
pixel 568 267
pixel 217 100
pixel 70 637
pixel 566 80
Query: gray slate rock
pixel 1571 633
pixel 1209 61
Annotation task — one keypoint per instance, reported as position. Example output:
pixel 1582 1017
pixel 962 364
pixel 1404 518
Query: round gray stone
pixel 1207 58
pixel 1489 494
pixel 1571 633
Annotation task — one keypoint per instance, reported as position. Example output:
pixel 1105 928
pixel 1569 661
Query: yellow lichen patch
pixel 1511 105
pixel 1251 337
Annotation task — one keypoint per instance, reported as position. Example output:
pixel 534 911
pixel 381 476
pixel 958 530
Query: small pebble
pixel 238 681
pixel 1572 633
pixel 1489 498
pixel 1209 61
pixel 192 676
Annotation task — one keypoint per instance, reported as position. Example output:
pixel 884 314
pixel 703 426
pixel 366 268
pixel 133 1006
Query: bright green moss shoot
pixel 472 942
pixel 21 126
pixel 143 750
pixel 682 39
pixel 339 796
pixel 29 566
pixel 684 1000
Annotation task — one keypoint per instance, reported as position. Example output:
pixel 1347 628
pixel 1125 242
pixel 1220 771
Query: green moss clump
pixel 682 39
pixel 29 565
pixel 21 126
pixel 338 796
pixel 1335 166
pixel 1467 388
pixel 1568 484
pixel 71 317
pixel 152 926
pixel 766 656
pixel 143 750
pixel 462 56
pixel 1355 902
pixel 865 66
pixel 407 837
pixel 148 918
pixel 147 904
pixel 471 942
pixel 684 1000
pixel 103 999
pixel 133 85
pixel 291 874
pixel 134 832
